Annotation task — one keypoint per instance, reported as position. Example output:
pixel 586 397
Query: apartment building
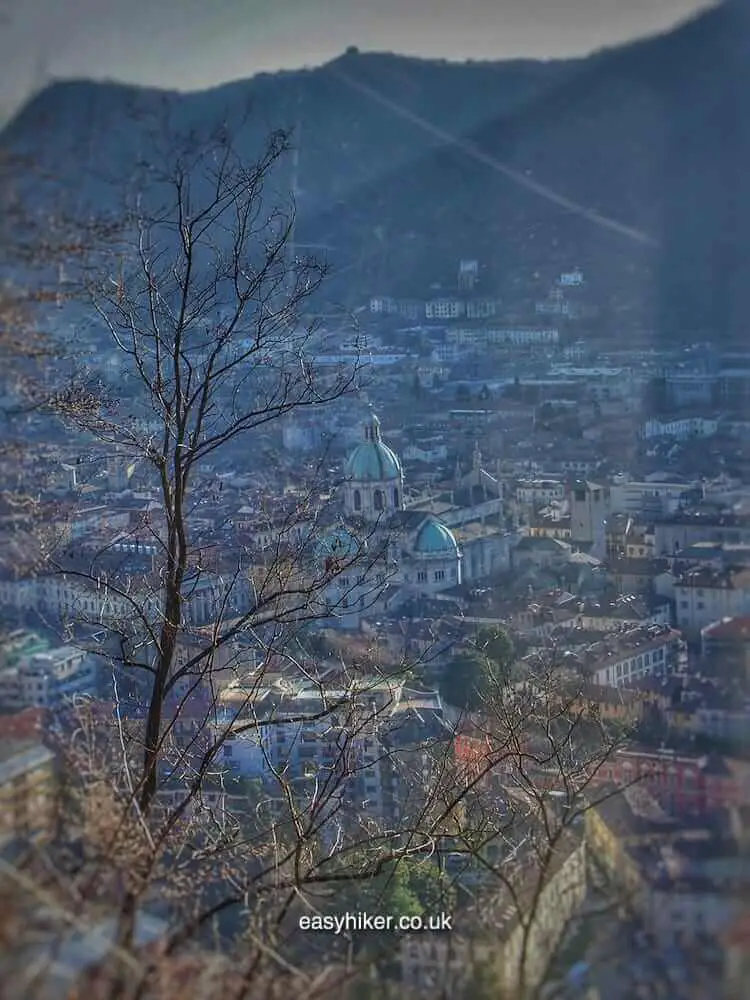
pixel 645 498
pixel 624 659
pixel 706 595
pixel 682 880
pixel 63 598
pixel 535 492
pixel 682 783
pixel 680 530
pixel 32 675
pixel 28 791
pixel 445 308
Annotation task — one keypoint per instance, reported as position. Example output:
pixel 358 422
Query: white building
pixel 383 304
pixel 468 274
pixel 210 594
pixel 482 308
pixel 426 451
pixel 444 308
pixel 31 676
pixel 627 497
pixel 571 279
pixel 600 382
pixel 480 336
pixel 681 428
pixel 62 598
pixel 535 492
pixel 648 652
pixel 446 352
pixel 707 595
pixel 523 336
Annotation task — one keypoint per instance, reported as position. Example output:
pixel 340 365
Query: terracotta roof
pixel 25 725
pixel 729 628
pixel 738 934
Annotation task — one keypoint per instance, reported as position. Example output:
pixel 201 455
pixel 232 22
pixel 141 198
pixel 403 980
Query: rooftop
pixel 729 628
pixel 709 577
pixel 18 757
pixel 433 538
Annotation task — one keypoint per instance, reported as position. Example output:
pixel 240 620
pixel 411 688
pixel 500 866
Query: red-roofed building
pixel 29 724
pixel 728 641
pixel 472 749
pixel 682 783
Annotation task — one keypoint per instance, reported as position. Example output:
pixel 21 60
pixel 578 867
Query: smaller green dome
pixel 340 544
pixel 433 538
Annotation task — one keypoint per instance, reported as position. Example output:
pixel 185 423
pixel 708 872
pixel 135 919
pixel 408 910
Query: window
pixel 395 498
pixel 378 499
pixel 344 602
pixel 357 500
pixel 421 576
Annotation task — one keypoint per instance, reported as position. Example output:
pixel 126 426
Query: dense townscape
pixel 553 503
pixel 429 614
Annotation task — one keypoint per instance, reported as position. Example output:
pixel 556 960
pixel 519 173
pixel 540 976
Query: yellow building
pixel 28 791
pixel 610 703
pixel 550 528
pixel 611 827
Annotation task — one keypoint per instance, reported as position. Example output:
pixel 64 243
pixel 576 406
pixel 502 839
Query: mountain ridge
pixel 651 136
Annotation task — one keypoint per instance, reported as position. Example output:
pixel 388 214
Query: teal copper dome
pixel 372 461
pixel 340 544
pixel 433 538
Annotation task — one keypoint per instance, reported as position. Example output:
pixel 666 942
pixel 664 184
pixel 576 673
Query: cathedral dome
pixel 373 461
pixel 341 544
pixel 433 538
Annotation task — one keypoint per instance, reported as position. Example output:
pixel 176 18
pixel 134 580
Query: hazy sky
pixel 189 44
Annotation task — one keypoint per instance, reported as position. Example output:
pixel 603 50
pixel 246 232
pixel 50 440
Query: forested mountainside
pixel 628 164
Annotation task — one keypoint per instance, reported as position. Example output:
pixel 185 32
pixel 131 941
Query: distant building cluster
pixel 586 495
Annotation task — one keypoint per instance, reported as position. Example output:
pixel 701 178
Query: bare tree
pixel 203 310
pixel 531 766
pixel 208 649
